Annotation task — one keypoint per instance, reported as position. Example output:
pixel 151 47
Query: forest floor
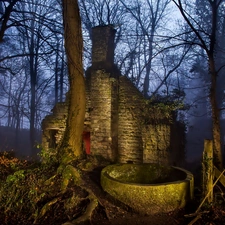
pixel 120 214
pixel 113 212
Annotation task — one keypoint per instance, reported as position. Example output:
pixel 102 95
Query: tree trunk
pixel 216 130
pixel 217 148
pixel 61 76
pixel 56 74
pixel 71 147
pixel 148 62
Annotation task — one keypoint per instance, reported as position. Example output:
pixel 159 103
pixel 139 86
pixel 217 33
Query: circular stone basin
pixel 148 188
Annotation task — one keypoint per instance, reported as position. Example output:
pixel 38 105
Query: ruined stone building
pixel 119 125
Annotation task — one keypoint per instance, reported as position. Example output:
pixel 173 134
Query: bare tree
pixel 148 15
pixel 37 29
pixel 100 13
pixel 32 31
pixel 205 37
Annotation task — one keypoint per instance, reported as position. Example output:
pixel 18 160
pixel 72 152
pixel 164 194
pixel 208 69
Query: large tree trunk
pixel 216 130
pixel 71 145
pixel 217 148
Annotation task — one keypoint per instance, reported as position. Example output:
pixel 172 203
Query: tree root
pixel 70 174
pixel 45 208
pixel 89 210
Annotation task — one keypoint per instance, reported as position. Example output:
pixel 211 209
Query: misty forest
pixel 112 112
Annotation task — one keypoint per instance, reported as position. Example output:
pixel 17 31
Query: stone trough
pixel 148 188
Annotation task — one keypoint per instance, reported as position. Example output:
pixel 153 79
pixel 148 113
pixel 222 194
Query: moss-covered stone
pixel 148 188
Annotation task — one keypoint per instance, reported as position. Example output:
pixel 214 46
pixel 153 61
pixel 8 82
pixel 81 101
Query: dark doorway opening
pixel 52 141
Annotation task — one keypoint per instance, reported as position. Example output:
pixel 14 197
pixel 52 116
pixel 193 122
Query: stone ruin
pixel 117 125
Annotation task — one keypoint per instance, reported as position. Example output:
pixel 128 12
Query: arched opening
pixel 52 138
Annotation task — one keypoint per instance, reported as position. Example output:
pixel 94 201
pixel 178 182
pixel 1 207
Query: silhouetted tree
pixel 205 37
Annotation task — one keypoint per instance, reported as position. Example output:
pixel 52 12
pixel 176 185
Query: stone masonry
pixel 115 119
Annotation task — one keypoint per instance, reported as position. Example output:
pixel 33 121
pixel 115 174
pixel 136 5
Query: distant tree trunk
pixel 56 74
pixel 10 103
pixel 148 62
pixel 70 148
pixel 61 78
pixel 33 78
pixel 61 73
pixel 32 114
pixel 33 63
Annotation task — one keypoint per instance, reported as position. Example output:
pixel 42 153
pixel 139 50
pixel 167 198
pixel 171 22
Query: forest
pixel 170 50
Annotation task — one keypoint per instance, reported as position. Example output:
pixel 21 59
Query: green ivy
pixel 16 177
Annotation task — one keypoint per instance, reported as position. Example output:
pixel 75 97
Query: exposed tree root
pixel 88 212
pixel 65 192
pixel 45 208
pixel 70 174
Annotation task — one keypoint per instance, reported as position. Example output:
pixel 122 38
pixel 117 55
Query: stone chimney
pixel 102 79
pixel 103 45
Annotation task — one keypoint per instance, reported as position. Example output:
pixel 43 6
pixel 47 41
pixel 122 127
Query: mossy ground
pixel 109 211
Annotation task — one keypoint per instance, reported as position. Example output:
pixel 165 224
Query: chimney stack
pixel 103 45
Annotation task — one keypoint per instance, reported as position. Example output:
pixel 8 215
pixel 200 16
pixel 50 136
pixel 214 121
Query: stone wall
pixel 121 125
pixel 103 114
pixel 53 126
pixel 144 132
pixel 130 121
pixel 156 143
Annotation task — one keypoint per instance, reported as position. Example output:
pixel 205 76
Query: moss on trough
pixel 129 184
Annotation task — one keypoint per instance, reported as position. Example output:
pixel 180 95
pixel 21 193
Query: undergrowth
pixel 28 190
pixel 36 192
